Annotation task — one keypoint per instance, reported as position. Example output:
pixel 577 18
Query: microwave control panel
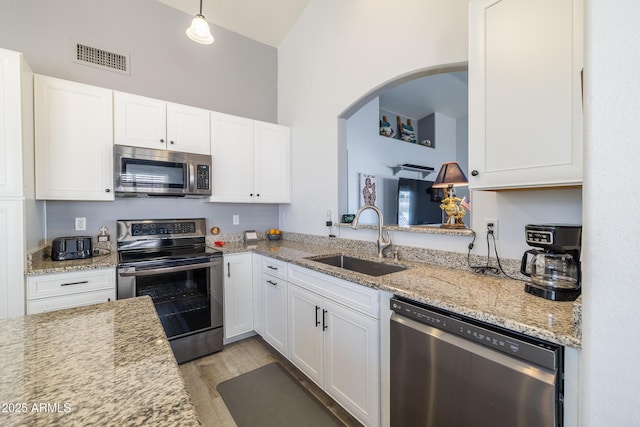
pixel 202 177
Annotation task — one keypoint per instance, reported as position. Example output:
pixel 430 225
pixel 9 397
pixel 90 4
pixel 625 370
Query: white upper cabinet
pixel 151 123
pixel 525 93
pixel 251 160
pixel 10 124
pixel 73 140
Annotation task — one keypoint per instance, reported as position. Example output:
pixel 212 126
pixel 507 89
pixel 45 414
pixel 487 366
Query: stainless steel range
pixel 168 260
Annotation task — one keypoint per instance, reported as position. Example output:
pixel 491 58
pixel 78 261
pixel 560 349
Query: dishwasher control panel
pixel 526 348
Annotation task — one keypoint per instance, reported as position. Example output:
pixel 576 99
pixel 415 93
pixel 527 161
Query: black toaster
pixel 75 247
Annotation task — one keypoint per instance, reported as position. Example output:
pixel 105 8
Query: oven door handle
pixel 150 272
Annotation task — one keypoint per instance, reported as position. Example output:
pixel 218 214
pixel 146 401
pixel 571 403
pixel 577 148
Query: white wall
pixel 611 294
pixel 337 53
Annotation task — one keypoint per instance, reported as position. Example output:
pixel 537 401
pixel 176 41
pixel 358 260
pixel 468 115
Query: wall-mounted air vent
pixel 100 58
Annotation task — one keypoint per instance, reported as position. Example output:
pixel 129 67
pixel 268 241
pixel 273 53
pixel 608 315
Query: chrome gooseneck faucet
pixel 384 240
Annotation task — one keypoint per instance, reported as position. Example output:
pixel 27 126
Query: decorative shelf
pixel 424 170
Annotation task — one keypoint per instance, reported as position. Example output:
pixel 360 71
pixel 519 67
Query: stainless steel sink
pixel 359 265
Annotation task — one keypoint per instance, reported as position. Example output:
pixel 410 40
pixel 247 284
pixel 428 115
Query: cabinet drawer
pixel 346 293
pixel 70 301
pixel 274 267
pixel 52 285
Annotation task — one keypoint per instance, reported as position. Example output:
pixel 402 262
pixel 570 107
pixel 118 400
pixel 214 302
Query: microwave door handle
pixel 166 269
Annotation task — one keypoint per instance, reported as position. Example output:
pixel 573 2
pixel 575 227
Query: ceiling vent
pixel 100 58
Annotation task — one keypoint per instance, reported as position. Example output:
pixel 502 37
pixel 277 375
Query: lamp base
pixel 458 226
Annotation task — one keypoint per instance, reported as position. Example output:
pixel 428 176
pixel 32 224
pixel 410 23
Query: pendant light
pixel 199 29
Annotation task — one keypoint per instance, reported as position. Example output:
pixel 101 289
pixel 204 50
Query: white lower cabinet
pixel 334 344
pixel 58 291
pixel 275 312
pixel 238 295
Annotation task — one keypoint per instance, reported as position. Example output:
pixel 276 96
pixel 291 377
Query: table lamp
pixel 450 176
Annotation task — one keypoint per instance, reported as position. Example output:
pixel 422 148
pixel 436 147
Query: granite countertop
pixel 496 300
pixel 102 365
pixel 493 299
pixel 39 262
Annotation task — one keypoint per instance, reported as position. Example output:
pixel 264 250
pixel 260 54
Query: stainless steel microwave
pixel 140 172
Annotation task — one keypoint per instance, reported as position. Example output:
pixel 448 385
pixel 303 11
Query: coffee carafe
pixel 554 270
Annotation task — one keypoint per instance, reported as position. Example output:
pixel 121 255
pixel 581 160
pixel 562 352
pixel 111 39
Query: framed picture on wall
pixel 367 190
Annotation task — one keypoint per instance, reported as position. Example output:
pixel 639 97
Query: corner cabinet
pixel 251 160
pixel 73 140
pixel 152 123
pixel 525 93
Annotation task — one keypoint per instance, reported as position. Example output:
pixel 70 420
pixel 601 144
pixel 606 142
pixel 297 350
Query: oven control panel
pixel 162 228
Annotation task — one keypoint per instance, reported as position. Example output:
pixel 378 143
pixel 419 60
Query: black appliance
pixel 450 370
pixel 555 270
pixel 144 172
pixel 74 247
pixel 168 260
pixel 418 202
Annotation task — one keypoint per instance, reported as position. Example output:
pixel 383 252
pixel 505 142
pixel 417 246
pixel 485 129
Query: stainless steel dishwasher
pixel 449 370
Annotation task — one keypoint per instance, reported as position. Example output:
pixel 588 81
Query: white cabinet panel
pixel 74 140
pixel 152 123
pixel 251 160
pixel 306 334
pixel 139 121
pixel 58 291
pixel 238 294
pixel 10 124
pixel 525 93
pixel 11 258
pixel 275 314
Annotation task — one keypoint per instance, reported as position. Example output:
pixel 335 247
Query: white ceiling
pixel 267 21
pixel 445 93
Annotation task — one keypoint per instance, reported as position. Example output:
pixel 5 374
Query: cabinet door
pixel 11 258
pixel 238 294
pixel 525 97
pixel 352 364
pixel 73 140
pixel 232 153
pixel 139 121
pixel 272 182
pixel 10 124
pixel 275 313
pixel 188 129
pixel 306 315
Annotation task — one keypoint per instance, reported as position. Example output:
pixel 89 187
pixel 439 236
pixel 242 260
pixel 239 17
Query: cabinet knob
pixel 171 142
pixel 258 195
pixel 475 172
pixel 251 194
pixel 162 141
pixel 107 190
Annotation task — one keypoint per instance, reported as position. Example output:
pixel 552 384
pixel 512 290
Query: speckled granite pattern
pixel 496 300
pixel 103 365
pixel 39 262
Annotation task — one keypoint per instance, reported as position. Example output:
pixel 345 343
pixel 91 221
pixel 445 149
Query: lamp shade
pixel 450 175
pixel 199 31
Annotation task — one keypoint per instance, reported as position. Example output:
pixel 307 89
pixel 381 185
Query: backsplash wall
pixel 61 214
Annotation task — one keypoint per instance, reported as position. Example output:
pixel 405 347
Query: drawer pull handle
pixel 272 267
pixel 317 321
pixel 324 320
pixel 75 283
pixel 273 283
pixel 228 269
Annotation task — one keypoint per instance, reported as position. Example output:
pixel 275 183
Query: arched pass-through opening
pixel 385 87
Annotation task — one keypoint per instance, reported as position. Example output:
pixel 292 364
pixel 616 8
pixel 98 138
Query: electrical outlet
pixel 236 219
pixel 492 227
pixel 81 224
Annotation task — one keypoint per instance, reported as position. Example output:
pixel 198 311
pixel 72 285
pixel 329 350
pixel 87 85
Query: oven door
pixel 187 296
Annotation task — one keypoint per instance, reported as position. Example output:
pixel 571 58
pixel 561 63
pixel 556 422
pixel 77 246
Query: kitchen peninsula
pixel 107 364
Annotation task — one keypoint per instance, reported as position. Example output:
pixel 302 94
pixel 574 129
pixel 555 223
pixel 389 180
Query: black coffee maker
pixel 555 270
